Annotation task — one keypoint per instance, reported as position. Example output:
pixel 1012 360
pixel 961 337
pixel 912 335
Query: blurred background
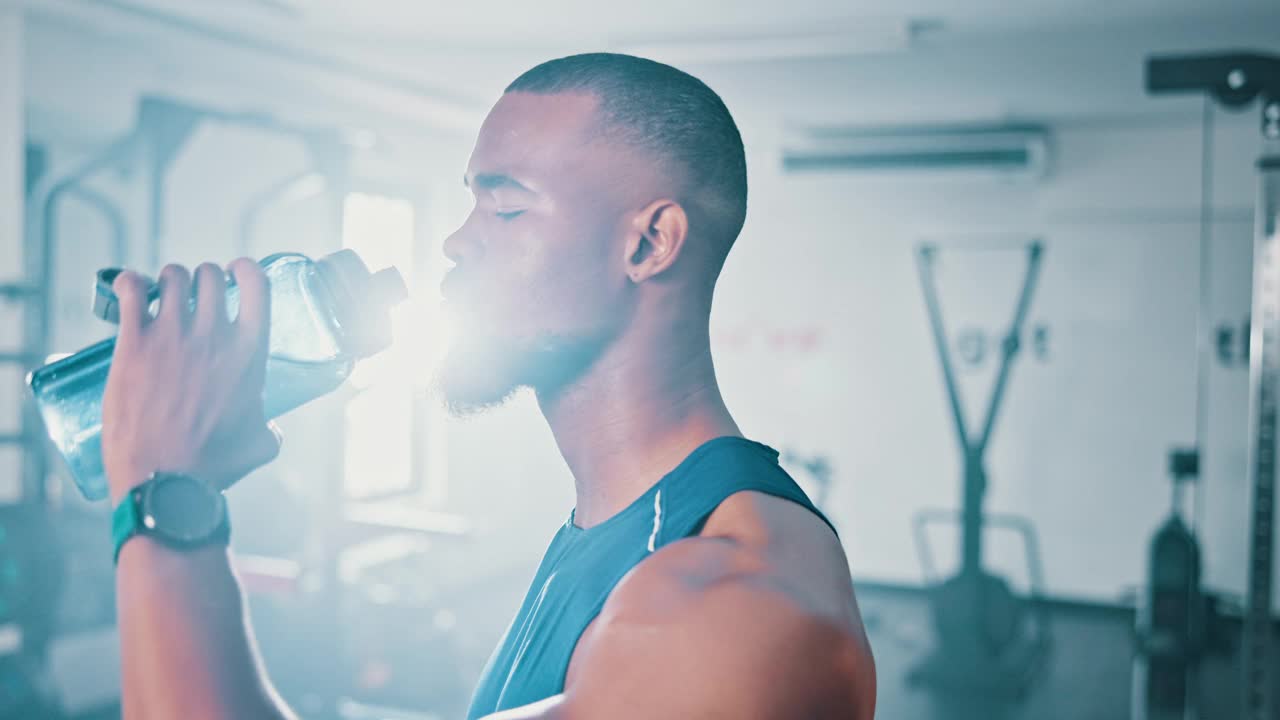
pixel 986 184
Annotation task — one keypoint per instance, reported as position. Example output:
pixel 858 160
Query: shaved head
pixel 602 183
pixel 669 114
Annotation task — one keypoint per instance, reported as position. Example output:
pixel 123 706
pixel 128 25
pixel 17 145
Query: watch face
pixel 182 508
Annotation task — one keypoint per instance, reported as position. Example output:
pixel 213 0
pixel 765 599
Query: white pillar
pixel 12 200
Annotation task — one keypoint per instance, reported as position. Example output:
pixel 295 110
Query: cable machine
pixel 1235 80
pixel 987 639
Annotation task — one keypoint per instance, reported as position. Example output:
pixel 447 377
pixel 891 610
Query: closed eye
pixel 509 215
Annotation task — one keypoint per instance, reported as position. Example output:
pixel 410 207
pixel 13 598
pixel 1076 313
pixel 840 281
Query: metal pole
pixel 1012 341
pixel 1204 314
pixel 1264 377
pixel 924 263
pixel 976 469
pixel 975 478
pixel 115 218
pixel 39 327
pixel 334 163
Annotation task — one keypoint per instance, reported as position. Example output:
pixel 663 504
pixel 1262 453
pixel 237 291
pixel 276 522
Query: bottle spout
pixel 362 301
pixel 388 287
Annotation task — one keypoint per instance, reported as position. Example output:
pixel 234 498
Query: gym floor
pixel 1088 673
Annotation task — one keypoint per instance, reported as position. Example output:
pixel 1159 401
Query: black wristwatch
pixel 177 510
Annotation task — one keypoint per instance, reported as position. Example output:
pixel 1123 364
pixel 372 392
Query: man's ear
pixel 656 239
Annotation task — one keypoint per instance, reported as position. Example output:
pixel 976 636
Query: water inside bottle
pixel 74 419
pixel 305 361
pixel 291 383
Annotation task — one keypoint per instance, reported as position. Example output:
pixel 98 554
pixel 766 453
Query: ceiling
pixel 909 59
pixel 506 25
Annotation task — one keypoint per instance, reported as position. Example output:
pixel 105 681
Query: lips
pixel 468 295
pixel 461 295
pixel 451 288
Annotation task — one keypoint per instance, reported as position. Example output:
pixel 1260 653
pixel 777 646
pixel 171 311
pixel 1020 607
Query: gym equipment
pixel 31 296
pixel 1235 80
pixel 306 184
pixel 1172 621
pixel 988 640
pixel 31 565
pixel 31 562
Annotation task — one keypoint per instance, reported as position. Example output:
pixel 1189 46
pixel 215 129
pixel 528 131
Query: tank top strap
pixel 720 468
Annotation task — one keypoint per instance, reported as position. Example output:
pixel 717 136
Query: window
pixel 388 420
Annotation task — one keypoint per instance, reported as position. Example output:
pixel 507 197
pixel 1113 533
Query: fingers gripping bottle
pixel 325 315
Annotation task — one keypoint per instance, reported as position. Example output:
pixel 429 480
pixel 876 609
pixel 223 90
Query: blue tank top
pixel 582 566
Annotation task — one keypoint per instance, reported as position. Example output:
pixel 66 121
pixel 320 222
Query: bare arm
pixel 185 395
pixel 188 649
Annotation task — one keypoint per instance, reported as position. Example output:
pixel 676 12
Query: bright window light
pixel 380 427
pixel 381 231
pixel 379 448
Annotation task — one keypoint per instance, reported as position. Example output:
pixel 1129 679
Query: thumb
pixel 257 450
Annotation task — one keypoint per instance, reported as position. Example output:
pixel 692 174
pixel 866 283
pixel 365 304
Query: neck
pixel 638 411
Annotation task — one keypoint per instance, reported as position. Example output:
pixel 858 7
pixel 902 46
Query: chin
pixel 480 374
pixel 472 380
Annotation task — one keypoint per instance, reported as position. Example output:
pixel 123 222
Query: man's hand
pixel 185 389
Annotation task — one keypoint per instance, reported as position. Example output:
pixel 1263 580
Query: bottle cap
pixel 362 301
pixel 106 306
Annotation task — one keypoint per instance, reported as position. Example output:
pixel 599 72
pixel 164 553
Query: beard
pixel 483 370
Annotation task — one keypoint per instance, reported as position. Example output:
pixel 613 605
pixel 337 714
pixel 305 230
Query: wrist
pixel 152 567
pixel 122 480
pixel 156 554
pixel 181 511
pixel 123 477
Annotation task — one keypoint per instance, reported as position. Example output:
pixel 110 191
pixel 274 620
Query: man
pixel 692 580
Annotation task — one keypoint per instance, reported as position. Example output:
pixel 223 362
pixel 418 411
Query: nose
pixel 463 244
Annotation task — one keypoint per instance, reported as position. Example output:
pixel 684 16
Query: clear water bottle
pixel 325 315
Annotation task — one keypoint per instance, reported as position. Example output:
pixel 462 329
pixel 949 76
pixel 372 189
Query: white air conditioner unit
pixel 1016 152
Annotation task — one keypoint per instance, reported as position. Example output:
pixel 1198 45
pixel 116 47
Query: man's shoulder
pixel 762 593
pixel 754 542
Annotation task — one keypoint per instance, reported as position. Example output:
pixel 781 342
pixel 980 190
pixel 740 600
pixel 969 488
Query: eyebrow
pixel 494 181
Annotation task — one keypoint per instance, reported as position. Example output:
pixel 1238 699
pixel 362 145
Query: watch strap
pixel 125 522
